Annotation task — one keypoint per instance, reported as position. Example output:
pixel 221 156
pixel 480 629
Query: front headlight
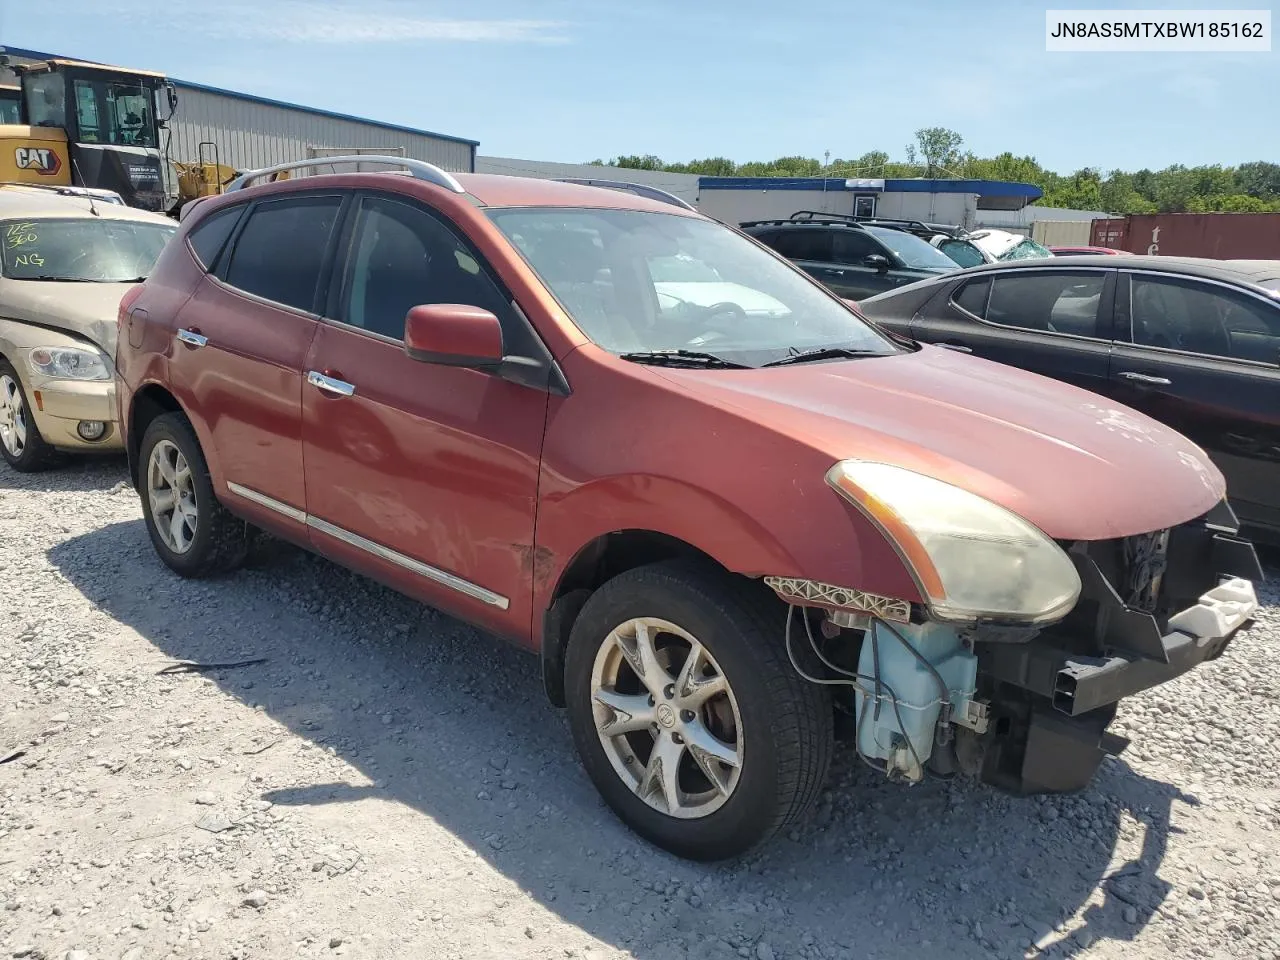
pixel 68 363
pixel 971 558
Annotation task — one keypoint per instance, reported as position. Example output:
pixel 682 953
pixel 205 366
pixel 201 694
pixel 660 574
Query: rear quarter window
pixel 972 297
pixel 209 236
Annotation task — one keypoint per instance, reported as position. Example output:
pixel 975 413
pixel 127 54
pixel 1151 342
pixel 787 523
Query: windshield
pixel 106 251
pixel 638 282
pixel 911 250
pixel 1026 250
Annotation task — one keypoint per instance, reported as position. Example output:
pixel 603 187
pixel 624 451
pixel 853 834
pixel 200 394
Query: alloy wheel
pixel 13 420
pixel 667 718
pixel 172 496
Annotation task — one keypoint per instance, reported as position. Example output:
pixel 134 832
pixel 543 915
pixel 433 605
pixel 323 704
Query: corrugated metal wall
pixel 251 134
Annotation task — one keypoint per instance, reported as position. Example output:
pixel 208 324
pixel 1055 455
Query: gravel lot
pixel 390 783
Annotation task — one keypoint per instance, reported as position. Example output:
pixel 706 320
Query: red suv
pixel 736 520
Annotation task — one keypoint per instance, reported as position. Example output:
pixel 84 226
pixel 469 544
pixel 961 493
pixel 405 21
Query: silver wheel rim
pixel 172 496
pixel 13 417
pixel 667 718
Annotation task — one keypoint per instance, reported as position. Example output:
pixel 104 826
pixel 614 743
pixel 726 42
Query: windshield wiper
pixel 823 353
pixel 681 358
pixel 49 279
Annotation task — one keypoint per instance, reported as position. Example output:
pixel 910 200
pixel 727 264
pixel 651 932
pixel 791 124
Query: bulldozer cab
pixel 89 125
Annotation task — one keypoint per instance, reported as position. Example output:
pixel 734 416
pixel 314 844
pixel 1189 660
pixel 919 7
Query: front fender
pixel 827 541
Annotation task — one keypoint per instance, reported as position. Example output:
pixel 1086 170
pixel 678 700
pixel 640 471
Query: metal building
pixel 251 132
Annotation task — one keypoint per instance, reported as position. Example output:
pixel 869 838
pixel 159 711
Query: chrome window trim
pixel 441 577
pixel 993 274
pixel 1245 289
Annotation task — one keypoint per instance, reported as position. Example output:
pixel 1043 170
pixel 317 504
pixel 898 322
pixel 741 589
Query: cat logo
pixel 42 160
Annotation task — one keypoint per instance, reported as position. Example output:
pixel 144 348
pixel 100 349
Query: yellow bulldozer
pixel 88 125
pixel 82 124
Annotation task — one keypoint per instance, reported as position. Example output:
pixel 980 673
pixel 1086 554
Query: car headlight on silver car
pixel 68 363
pixel 972 559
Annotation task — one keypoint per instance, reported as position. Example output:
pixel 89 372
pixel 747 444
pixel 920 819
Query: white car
pixel 65 262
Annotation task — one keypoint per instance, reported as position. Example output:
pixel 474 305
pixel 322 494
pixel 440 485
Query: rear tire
pixel 730 770
pixel 194 534
pixel 21 444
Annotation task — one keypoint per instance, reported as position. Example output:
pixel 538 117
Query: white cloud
pixel 337 22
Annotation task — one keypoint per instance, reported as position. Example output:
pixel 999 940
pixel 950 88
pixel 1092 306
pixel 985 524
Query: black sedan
pixel 1192 343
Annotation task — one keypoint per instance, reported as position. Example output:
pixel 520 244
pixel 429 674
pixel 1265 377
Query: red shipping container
pixel 1220 236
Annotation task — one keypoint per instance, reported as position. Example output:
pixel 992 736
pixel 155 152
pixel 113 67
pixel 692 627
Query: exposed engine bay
pixel 1026 708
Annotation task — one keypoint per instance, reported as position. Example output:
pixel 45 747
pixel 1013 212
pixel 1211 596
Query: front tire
pixel 686 713
pixel 21 444
pixel 194 534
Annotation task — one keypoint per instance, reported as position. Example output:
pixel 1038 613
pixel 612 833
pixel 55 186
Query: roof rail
pixel 418 169
pixel 819 215
pixel 639 189
pixel 821 218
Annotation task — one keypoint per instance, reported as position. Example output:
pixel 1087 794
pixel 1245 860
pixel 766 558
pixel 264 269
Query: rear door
pixel 1055 322
pixel 241 342
pixel 809 248
pixel 1204 357
pixel 423 475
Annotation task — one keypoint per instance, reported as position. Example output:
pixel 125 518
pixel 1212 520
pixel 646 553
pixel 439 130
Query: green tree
pixel 939 148
pixel 1250 187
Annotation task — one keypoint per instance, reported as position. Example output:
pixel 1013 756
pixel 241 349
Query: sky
pixel 572 80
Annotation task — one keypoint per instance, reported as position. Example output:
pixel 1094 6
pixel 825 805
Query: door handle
pixel 1146 378
pixel 958 347
pixel 192 338
pixel 339 388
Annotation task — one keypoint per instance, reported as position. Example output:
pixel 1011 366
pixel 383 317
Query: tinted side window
pixel 208 238
pixel 853 246
pixel 972 297
pixel 401 256
pixel 1053 302
pixel 803 244
pixel 280 252
pixel 962 252
pixel 1202 318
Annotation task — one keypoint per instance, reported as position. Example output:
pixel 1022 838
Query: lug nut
pixel 676 738
pixel 687 716
pixel 651 700
pixel 670 691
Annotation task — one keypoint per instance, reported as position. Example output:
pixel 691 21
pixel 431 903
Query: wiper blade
pixel 48 279
pixel 823 353
pixel 682 358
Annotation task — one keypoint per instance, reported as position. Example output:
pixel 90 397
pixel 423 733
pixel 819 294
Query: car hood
pixel 1075 464
pixel 86 309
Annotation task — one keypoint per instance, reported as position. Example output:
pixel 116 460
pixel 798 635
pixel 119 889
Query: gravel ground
pixel 391 783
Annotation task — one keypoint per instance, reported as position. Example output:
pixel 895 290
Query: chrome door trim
pixel 262 500
pixel 192 339
pixel 1146 378
pixel 338 388
pixel 441 577
pixel 408 563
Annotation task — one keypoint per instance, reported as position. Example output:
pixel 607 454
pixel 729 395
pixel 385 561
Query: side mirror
pixel 453 334
pixel 881 263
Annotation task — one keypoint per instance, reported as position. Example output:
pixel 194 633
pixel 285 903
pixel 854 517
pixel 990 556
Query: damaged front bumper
pixel 1053 696
pixel 1026 709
